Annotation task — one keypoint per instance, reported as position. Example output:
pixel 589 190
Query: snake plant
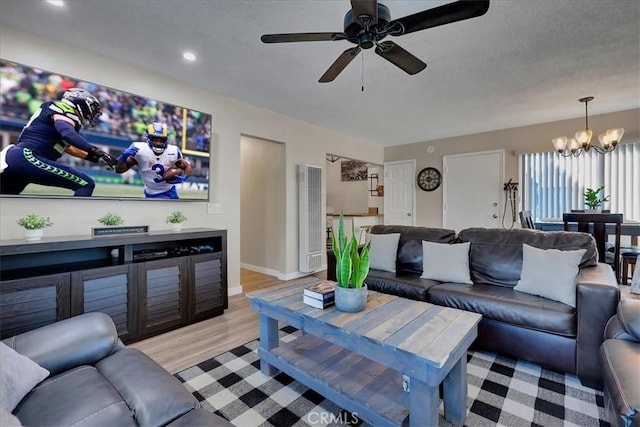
pixel 352 263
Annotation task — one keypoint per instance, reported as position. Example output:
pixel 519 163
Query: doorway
pixel 262 206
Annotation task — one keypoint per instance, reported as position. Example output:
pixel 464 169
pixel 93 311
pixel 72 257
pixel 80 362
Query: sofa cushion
pixel 446 262
pixel 550 273
pixel 18 376
pixel 154 396
pixel 496 254
pixel 505 305
pixel 79 397
pixel 409 258
pixel 383 251
pixel 403 285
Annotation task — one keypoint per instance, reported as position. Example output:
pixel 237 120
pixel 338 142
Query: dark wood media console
pixel 148 283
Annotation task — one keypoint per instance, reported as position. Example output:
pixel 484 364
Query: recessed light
pixel 189 56
pixel 58 3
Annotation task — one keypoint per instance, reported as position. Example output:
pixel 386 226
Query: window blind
pixel 552 184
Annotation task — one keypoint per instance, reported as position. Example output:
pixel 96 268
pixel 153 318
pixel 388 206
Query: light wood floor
pixel 190 345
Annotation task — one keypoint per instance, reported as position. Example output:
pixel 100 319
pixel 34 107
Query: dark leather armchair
pixel 620 356
pixel 95 380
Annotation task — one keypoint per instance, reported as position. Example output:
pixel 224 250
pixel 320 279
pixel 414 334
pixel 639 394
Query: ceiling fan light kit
pixel 581 142
pixel 369 22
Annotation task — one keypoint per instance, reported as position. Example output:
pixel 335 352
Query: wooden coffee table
pixel 383 364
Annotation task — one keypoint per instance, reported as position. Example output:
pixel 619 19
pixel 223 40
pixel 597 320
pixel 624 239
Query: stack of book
pixel 320 295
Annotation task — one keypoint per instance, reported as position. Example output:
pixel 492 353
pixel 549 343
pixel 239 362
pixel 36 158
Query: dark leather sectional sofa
pixel 522 326
pixel 96 381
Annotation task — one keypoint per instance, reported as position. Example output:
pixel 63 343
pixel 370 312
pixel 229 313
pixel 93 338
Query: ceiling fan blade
pixel 445 14
pixel 365 8
pixel 400 57
pixel 302 37
pixel 339 64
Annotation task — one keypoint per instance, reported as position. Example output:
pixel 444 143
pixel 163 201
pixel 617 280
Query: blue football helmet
pixel 157 131
pixel 87 106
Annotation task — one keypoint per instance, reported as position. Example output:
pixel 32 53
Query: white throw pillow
pixel 18 377
pixel 7 419
pixel 550 273
pixel 445 262
pixel 383 251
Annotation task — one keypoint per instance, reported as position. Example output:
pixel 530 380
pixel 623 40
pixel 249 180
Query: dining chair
pixel 596 224
pixel 526 221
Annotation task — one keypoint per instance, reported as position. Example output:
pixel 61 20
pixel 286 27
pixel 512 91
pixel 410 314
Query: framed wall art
pixel 353 170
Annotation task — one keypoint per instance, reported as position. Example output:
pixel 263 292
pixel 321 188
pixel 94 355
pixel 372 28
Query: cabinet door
pixel 163 294
pixel 208 287
pixel 110 290
pixel 27 304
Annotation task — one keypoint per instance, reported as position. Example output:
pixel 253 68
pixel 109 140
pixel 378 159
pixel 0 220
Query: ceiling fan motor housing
pixel 356 34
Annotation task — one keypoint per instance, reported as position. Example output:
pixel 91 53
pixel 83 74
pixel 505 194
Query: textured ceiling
pixel 522 63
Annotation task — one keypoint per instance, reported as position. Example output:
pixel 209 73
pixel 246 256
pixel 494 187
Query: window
pixel 553 184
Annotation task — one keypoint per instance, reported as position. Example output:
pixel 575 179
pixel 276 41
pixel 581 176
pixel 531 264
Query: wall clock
pixel 429 179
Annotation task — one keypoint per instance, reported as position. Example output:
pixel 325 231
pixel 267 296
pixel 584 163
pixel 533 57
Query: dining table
pixel 627 228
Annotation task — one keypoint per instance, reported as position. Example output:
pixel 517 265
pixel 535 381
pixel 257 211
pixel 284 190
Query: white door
pixel 472 190
pixel 399 192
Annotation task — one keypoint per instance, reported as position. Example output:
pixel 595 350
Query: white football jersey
pixel 151 166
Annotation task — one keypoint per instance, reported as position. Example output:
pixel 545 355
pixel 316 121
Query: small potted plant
pixel 593 200
pixel 34 225
pixel 111 219
pixel 352 267
pixel 176 218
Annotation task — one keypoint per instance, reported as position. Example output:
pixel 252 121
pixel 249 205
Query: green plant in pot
pixel 34 225
pixel 176 218
pixel 352 267
pixel 593 199
pixel 111 219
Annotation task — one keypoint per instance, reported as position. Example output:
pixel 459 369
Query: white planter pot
pixel 176 226
pixel 33 235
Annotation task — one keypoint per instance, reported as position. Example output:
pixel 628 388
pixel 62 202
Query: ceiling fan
pixel 369 22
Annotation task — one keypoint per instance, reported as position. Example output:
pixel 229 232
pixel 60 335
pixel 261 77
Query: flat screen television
pixel 124 118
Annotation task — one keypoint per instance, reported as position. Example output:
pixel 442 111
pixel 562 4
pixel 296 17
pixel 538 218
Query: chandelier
pixel 581 142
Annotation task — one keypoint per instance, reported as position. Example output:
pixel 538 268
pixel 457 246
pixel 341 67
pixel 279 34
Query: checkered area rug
pixel 501 392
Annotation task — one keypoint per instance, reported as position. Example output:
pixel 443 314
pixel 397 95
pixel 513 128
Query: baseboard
pixel 257 269
pixel 234 290
pixel 298 274
pixel 277 274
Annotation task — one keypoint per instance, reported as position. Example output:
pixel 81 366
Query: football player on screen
pixel 160 165
pixel 51 131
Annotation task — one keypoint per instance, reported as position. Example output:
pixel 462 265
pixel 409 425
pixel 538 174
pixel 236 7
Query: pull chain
pixel 362 89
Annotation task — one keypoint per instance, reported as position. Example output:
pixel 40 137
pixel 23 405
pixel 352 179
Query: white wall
pixel 515 141
pixel 304 143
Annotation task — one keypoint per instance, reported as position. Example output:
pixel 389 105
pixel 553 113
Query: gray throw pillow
pixel 445 262
pixel 550 273
pixel 383 251
pixel 7 419
pixel 18 377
